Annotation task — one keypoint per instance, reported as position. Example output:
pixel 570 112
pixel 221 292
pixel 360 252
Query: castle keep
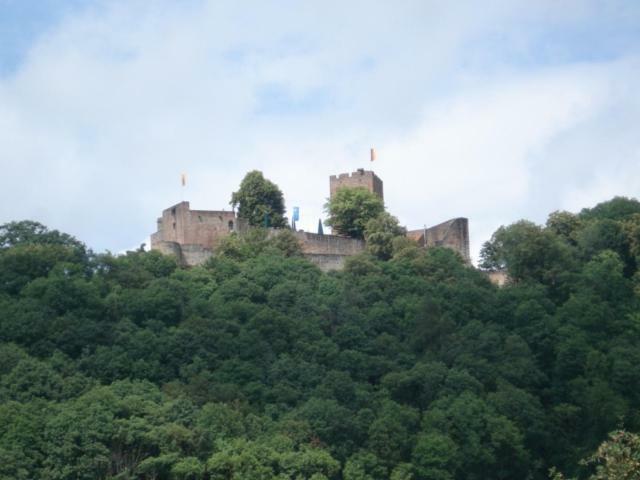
pixel 361 178
pixel 193 235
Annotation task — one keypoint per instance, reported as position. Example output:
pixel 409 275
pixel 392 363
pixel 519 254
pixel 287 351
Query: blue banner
pixel 296 214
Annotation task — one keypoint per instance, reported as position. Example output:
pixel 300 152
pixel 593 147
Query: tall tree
pixel 259 201
pixel 28 232
pixel 350 209
pixel 380 233
pixel 528 252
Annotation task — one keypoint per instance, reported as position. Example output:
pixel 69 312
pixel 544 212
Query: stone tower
pixel 360 178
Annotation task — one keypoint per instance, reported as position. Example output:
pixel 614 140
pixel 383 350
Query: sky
pixel 494 110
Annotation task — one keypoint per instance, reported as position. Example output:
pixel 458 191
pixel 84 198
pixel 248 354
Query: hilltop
pixel 257 364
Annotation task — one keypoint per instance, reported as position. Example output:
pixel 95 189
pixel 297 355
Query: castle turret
pixel 360 178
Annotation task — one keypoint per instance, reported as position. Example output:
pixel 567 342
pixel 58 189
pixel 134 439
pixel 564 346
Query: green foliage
pixel 617 458
pixel 564 225
pixel 277 457
pixel 28 232
pixel 350 209
pixel 188 468
pixel 528 252
pixel 618 208
pixel 259 201
pixel 435 456
pixel 259 241
pixel 380 233
pixel 407 364
pixel 364 466
pixel 474 438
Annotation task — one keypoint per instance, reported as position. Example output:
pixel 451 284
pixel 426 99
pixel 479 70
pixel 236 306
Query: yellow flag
pixel 373 154
pixel 183 179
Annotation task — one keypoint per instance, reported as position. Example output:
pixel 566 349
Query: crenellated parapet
pixel 193 235
pixel 361 178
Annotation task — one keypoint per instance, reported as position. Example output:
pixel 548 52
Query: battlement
pixel 193 235
pixel 359 172
pixel 361 178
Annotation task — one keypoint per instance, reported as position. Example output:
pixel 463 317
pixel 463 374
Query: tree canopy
pixel 259 201
pixel 407 365
pixel 350 209
pixel 28 232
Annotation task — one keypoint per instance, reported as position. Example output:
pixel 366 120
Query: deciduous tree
pixel 259 201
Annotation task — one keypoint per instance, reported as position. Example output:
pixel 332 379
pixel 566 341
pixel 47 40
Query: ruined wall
pixel 194 227
pixel 192 235
pixel 186 255
pixel 193 255
pixel 328 252
pixel 312 243
pixel 360 178
pixel 453 234
pixel 327 263
pixel 167 248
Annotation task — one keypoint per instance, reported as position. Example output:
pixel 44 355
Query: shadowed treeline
pixel 257 365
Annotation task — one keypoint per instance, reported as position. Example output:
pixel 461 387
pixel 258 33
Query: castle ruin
pixel 453 234
pixel 193 235
pixel 361 178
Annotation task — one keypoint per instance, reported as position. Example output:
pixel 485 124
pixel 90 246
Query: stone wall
pixel 453 234
pixel 328 252
pixel 184 226
pixel 361 178
pixel 327 263
pixel 188 255
pixel 192 255
pixel 193 235
pixel 313 243
pixel 166 248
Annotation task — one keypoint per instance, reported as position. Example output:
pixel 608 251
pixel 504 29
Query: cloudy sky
pixel 491 110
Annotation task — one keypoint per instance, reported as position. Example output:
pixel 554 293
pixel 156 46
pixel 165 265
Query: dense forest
pixel 259 366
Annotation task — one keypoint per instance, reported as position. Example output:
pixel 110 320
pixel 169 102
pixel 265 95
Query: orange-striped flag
pixel 373 154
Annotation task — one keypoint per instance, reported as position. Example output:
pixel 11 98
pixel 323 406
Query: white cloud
pixel 107 110
pixel 505 150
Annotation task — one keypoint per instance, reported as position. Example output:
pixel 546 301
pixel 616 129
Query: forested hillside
pixel 259 366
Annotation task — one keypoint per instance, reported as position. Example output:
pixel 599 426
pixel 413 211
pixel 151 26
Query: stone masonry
pixel 360 178
pixel 328 252
pixel 193 235
pixel 453 234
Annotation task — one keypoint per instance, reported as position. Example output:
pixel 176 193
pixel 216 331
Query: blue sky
pixel 495 110
pixel 23 22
